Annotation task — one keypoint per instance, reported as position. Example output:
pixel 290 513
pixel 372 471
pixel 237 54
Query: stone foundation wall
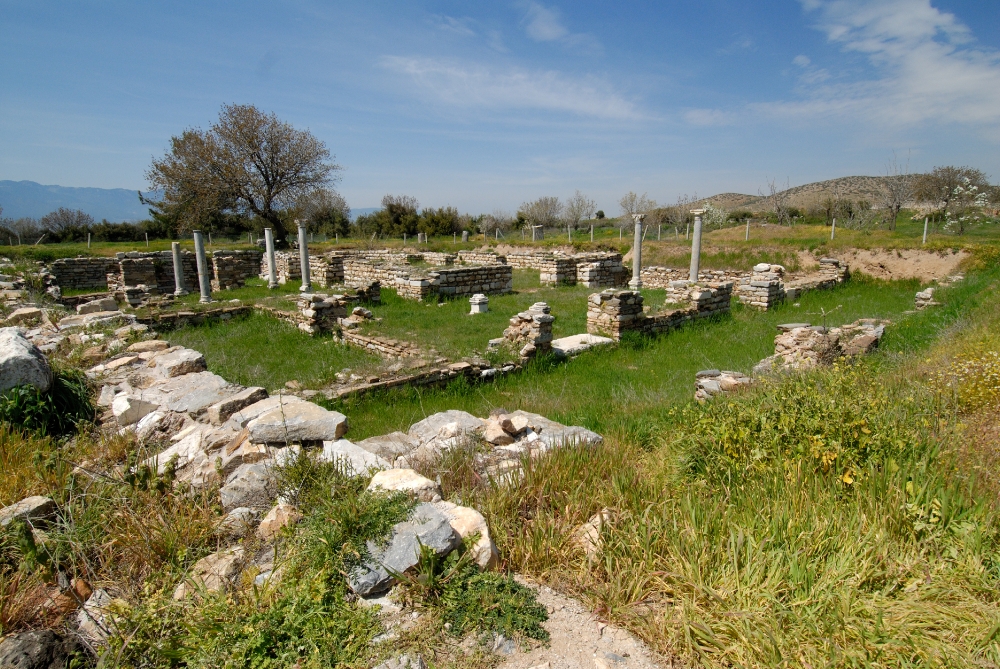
pixel 656 276
pixel 557 271
pixel 604 272
pixel 765 287
pixel 175 319
pixel 481 258
pixel 439 259
pixel 359 271
pixel 527 260
pixel 326 270
pixel 231 269
pixel 83 273
pixel 486 279
pixel 612 312
pixel 802 346
pixel 386 347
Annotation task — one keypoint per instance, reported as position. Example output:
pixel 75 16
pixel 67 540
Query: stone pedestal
pixel 465 235
pixel 204 280
pixel 480 304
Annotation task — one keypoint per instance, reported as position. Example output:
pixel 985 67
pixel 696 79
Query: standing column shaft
pixel 636 282
pixel 306 286
pixel 696 246
pixel 272 267
pixel 204 283
pixel 179 288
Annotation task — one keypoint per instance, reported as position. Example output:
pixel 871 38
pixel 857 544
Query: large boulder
pixel 180 362
pixel 21 363
pixel 427 527
pixel 191 393
pixel 221 411
pixel 30 509
pixel 38 649
pixel 297 423
pixel 25 315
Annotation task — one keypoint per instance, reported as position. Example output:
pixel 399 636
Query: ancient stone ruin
pixel 613 312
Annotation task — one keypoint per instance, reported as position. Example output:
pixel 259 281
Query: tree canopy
pixel 247 163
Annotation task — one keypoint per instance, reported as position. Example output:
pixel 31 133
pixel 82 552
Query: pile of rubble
pixel 711 382
pixel 530 331
pixel 802 346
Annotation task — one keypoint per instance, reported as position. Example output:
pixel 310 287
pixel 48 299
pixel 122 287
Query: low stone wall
pixel 358 271
pixel 385 347
pixel 528 260
pixel 557 271
pixel 439 259
pixel 612 312
pixel 765 287
pixel 604 271
pixel 481 258
pixel 486 279
pixel 231 269
pixel 326 270
pixel 656 276
pixel 802 346
pixel 83 273
pixel 153 272
pixel 174 319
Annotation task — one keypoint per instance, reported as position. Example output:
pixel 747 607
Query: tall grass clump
pixel 55 412
pixel 816 520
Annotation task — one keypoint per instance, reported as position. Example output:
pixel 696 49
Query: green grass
pixel 452 331
pixel 263 351
pixel 609 390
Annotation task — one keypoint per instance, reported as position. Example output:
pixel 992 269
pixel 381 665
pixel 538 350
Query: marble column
pixel 696 245
pixel 179 288
pixel 306 286
pixel 272 268
pixel 204 281
pixel 636 282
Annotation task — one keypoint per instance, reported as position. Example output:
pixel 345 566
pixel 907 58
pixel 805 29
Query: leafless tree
pixel 632 204
pixel 498 220
pixel 578 207
pixel 543 211
pixel 777 201
pixel 248 162
pixel 24 229
pixel 677 214
pixel 897 189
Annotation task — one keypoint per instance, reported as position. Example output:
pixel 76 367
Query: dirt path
pixel 580 641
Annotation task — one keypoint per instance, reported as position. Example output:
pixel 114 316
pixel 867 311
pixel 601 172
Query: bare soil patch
pixel 580 641
pixel 900 264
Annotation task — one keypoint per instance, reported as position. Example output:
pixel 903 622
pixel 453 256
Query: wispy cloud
pixel 458 26
pixel 463 85
pixel 545 24
pixel 927 68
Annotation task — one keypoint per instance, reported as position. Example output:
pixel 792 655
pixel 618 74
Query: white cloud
pixel 458 26
pixel 926 69
pixel 462 85
pixel 544 24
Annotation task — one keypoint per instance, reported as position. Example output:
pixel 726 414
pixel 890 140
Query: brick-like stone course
pixel 231 269
pixel 557 271
pixel 481 258
pixel 613 312
pixel 530 331
pixel 83 273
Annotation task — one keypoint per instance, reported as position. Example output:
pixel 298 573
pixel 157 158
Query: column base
pixel 305 288
pixel 274 285
pixel 180 293
pixel 635 284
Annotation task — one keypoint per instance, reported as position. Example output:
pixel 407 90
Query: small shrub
pixel 56 412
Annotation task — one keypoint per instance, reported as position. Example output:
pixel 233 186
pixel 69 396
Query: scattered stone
pixel 180 362
pixel 30 509
pixel 297 423
pixel 428 527
pixel 148 346
pixel 452 423
pixel 403 662
pixel 93 621
pixel 496 435
pixel 212 573
pixel 714 382
pixel 278 517
pixel 38 649
pixel 95 306
pixel 68 600
pixel 237 523
pixel 25 315
pixel 588 535
pixel 355 460
pixel 925 298
pixel 249 485
pixel 408 481
pixel 468 523
pixel 129 410
pixel 220 412
pixel 389 446
pixel 569 347
pixel 21 363
pixel 120 362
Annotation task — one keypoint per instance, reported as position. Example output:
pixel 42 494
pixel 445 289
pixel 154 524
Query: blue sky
pixel 487 105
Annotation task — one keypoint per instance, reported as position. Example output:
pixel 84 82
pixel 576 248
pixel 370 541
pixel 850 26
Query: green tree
pixel 248 163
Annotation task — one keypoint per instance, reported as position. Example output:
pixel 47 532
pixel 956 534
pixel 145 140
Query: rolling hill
pixel 807 195
pixel 27 198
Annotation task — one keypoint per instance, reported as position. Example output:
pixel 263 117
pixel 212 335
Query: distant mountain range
pixel 27 198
